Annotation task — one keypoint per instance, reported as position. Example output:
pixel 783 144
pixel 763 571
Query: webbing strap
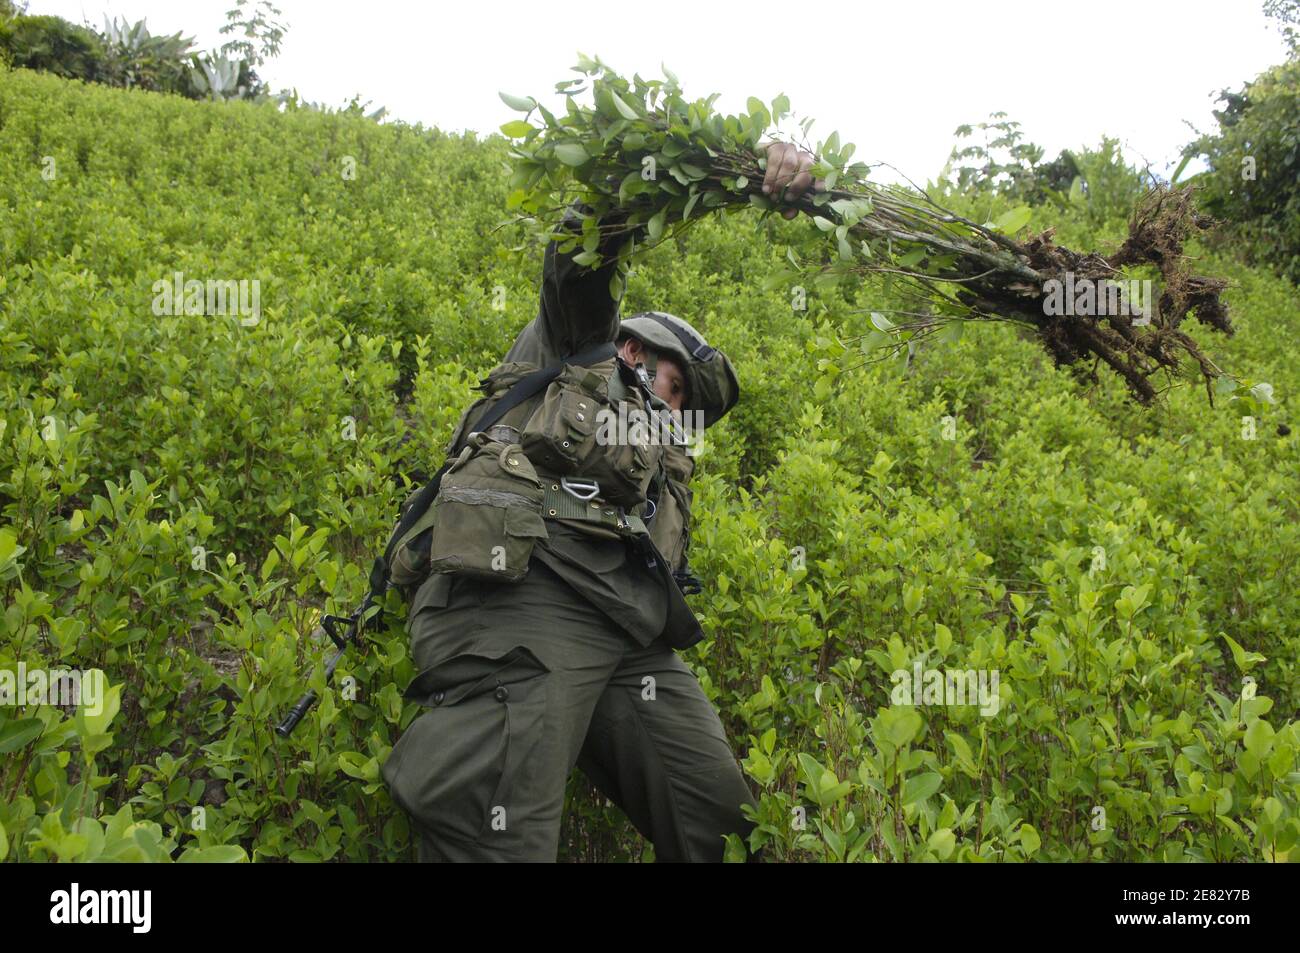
pixel 526 387
pixel 559 504
pixel 695 346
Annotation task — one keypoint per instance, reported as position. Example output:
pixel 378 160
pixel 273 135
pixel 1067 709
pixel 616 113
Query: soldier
pixel 544 635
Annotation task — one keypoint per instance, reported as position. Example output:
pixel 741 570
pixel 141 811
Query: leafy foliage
pixel 998 161
pixel 127 55
pixel 50 43
pixel 947 511
pixel 1254 159
pixel 1286 17
pixel 257 33
pixel 607 157
pixel 1001 165
pixel 136 59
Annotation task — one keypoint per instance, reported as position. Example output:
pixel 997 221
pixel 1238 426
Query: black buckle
pixel 688 582
pixel 356 624
pixel 329 623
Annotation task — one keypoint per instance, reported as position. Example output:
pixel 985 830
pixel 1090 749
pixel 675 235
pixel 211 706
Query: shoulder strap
pixel 519 392
pixel 526 387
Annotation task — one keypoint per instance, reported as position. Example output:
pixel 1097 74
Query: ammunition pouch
pixel 575 429
pixel 671 527
pixel 487 516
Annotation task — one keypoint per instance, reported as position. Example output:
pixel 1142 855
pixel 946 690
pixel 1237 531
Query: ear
pixel 631 350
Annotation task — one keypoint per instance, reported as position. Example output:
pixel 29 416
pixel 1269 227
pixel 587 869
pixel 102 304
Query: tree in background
pixel 260 34
pixel 232 70
pixel 1253 181
pixel 1001 163
pixel 127 55
pixel 134 58
pixel 1286 17
pixel 49 44
pixel 1098 181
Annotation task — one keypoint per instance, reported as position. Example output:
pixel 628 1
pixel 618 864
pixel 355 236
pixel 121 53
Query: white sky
pixel 896 79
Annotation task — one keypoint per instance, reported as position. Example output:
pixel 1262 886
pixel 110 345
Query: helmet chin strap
pixel 646 365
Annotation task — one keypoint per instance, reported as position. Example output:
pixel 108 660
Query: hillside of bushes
pixel 182 495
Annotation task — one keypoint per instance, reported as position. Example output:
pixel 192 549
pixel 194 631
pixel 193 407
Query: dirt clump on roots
pixel 1158 229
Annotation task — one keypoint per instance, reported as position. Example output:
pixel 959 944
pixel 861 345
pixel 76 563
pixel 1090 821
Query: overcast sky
pixel 895 78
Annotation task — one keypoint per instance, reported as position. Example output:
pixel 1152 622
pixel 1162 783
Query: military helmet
pixel 710 378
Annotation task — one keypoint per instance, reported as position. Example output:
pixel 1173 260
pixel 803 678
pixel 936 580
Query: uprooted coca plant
pixel 643 163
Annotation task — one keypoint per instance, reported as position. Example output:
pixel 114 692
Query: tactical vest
pixel 560 455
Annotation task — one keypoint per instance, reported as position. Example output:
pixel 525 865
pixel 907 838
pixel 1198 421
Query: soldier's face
pixel 669 380
pixel 670 383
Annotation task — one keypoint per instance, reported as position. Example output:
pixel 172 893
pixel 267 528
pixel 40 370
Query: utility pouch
pixel 671 527
pixel 409 564
pixel 561 434
pixel 578 429
pixel 487 516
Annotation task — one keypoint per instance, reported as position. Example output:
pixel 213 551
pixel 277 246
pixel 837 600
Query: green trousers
pixel 523 681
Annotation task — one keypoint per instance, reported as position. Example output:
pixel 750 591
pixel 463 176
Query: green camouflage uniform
pixel 571 665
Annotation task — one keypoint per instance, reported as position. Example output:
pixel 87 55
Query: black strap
pixel 519 392
pixel 527 386
pixel 695 346
pixel 632 380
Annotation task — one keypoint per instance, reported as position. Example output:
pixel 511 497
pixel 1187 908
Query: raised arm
pixel 576 310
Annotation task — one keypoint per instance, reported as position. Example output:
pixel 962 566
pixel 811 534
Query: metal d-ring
pixel 580 488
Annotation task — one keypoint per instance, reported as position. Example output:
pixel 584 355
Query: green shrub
pixel 1254 159
pixel 181 497
pixel 52 44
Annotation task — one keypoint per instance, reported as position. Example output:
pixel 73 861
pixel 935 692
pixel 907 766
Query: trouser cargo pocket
pixel 461 769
